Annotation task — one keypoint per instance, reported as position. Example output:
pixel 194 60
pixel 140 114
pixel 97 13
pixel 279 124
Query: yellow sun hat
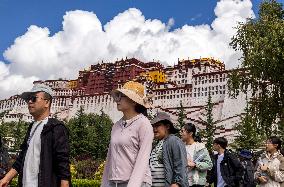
pixel 134 91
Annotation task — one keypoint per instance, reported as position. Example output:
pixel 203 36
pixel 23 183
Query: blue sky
pixel 17 15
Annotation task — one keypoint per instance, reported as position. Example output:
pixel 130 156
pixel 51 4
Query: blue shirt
pixel 220 180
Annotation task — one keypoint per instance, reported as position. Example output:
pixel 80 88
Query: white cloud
pixel 4 70
pixel 13 83
pixel 16 84
pixel 84 41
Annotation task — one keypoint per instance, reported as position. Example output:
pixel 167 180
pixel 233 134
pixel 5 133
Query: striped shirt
pixel 157 166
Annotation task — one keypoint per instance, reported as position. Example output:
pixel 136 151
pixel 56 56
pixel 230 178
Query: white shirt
pixel 190 150
pixel 32 159
pixel 220 181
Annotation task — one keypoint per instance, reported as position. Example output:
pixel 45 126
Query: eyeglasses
pixel 33 98
pixel 117 96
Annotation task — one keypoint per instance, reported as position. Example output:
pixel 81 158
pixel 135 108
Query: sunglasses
pixel 33 98
pixel 117 96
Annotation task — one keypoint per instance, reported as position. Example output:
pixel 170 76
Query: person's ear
pixel 47 103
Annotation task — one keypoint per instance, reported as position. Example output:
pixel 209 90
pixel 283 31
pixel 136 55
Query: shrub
pixel 85 169
pixel 99 172
pixel 75 183
pixel 85 183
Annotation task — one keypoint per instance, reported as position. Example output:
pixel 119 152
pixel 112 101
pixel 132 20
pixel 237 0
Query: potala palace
pixel 188 82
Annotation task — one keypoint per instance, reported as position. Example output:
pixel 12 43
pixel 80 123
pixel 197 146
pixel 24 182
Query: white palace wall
pixel 190 86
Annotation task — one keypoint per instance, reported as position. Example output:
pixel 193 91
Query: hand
pixel 64 183
pixel 174 185
pixel 4 182
pixel 8 177
pixel 191 164
pixel 262 179
pixel 264 167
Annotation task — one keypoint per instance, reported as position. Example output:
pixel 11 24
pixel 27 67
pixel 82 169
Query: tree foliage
pixel 89 135
pixel 13 132
pixel 209 131
pixel 261 42
pixel 181 116
pixel 249 137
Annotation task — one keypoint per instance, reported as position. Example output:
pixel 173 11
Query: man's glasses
pixel 117 96
pixel 33 98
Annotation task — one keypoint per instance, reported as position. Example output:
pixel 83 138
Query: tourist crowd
pixel 142 152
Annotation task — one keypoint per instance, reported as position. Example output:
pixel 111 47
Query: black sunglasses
pixel 117 97
pixel 33 98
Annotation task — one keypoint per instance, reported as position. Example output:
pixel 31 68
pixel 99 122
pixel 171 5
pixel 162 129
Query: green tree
pixel 89 135
pixel 261 42
pixel 280 130
pixel 2 115
pixel 209 131
pixel 249 137
pixel 5 130
pixel 14 131
pixel 103 125
pixel 18 133
pixel 181 116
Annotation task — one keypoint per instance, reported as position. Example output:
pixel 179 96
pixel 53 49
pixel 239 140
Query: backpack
pixel 248 177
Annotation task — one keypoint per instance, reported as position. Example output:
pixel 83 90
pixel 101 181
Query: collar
pixel 42 121
pixel 272 156
pixel 126 123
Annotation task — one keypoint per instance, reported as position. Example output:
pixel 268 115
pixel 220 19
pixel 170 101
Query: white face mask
pixel 215 152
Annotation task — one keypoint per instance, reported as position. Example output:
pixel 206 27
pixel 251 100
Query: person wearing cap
pixel 248 177
pixel 127 163
pixel 168 158
pixel 198 159
pixel 43 160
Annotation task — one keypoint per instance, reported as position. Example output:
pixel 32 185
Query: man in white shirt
pixel 44 158
pixel 227 169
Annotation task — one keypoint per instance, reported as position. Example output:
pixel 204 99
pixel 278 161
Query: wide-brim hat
pixel 162 116
pixel 37 88
pixel 245 154
pixel 136 92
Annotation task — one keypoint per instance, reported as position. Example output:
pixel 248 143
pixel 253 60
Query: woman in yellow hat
pixel 127 163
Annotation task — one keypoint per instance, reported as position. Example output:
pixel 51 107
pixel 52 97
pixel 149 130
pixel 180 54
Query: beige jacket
pixel 275 173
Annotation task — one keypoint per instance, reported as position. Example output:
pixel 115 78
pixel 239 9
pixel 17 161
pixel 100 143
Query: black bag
pixel 248 177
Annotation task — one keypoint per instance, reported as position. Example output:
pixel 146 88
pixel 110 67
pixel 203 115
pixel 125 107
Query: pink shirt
pixel 129 152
